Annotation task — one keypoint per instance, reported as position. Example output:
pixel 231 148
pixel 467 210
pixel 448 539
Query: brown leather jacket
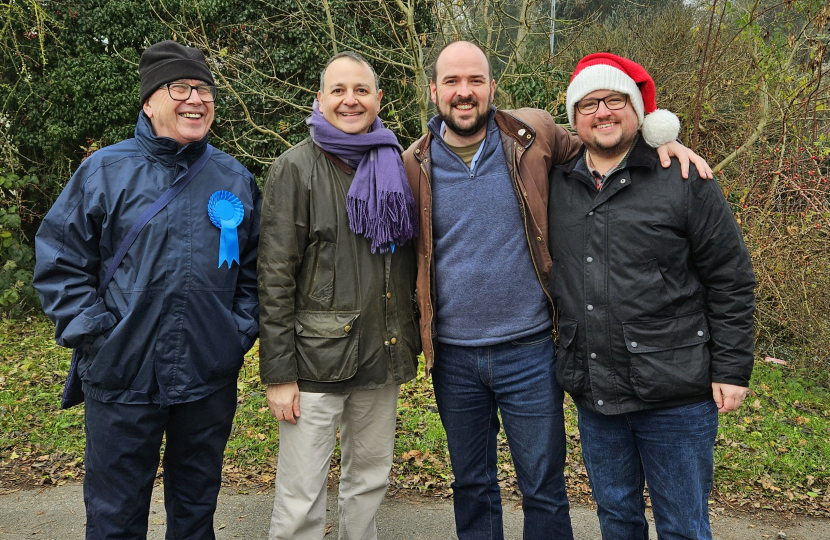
pixel 533 143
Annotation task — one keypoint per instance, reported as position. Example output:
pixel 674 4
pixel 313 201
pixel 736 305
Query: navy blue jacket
pixel 172 326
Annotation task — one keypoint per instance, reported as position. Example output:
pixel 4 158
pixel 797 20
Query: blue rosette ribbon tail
pixel 226 213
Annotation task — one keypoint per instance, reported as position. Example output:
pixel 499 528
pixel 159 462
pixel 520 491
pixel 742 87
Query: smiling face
pixel 183 121
pixel 349 99
pixel 462 90
pixel 607 134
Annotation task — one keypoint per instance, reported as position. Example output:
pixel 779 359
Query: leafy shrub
pixel 16 255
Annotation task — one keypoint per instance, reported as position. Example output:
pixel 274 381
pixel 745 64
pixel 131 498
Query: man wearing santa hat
pixel 654 288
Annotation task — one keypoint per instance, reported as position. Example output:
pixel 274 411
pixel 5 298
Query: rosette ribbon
pixel 226 213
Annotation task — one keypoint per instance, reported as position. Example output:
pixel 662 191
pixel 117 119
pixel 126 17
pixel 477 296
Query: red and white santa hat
pixel 605 71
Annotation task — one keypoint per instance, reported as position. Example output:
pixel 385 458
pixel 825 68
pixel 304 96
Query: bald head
pixel 462 89
pixel 461 52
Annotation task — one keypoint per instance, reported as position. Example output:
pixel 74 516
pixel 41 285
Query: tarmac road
pixel 57 513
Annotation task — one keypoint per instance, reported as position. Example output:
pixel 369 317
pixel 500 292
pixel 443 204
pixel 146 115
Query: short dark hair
pixel 352 56
pixel 434 79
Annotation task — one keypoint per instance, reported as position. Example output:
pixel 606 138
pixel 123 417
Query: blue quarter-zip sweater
pixel 172 326
pixel 486 287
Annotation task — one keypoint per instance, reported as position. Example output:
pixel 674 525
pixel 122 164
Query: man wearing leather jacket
pixel 480 179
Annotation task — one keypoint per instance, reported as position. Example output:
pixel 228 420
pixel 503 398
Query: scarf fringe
pixel 396 224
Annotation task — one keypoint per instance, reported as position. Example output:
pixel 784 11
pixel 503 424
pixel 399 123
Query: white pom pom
pixel 660 127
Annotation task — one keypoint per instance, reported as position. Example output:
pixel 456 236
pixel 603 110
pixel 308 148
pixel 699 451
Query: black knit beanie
pixel 169 61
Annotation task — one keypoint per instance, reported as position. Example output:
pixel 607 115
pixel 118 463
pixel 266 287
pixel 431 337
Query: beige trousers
pixel 367 444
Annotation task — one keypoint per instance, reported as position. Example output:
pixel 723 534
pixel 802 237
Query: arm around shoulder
pixel 564 144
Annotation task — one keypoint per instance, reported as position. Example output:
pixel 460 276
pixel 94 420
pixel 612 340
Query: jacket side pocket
pixel 670 358
pixel 570 369
pixel 89 349
pixel 318 267
pixel 327 345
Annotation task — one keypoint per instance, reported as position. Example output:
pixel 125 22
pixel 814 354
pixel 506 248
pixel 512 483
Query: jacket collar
pixel 509 125
pixel 164 149
pixel 642 155
pixel 339 163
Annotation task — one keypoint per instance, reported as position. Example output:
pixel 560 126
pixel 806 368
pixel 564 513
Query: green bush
pixel 16 255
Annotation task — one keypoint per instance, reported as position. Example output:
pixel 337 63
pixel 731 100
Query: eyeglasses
pixel 183 91
pixel 614 102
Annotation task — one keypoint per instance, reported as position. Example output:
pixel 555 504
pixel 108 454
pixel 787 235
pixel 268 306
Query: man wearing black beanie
pixel 159 334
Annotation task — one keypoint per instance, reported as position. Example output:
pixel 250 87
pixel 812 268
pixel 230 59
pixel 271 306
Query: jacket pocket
pixel 670 358
pixel 88 350
pixel 570 369
pixel 327 345
pixel 319 271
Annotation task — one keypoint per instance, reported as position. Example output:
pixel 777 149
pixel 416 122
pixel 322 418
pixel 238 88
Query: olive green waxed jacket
pixel 333 316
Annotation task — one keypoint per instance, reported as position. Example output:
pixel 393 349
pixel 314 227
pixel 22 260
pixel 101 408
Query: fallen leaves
pixel 44 470
pixel 783 421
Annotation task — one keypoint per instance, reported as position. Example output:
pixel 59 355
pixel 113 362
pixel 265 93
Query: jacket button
pixel 393 341
pixel 539 238
pixel 347 328
pixel 389 295
pixel 590 307
pixel 591 213
pixel 622 181
pixel 417 150
pixel 600 403
pixel 634 344
pixel 590 259
pixel 593 355
pixel 386 343
pixel 700 333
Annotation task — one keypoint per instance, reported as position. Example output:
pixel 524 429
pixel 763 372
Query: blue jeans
pixel 517 378
pixel 672 449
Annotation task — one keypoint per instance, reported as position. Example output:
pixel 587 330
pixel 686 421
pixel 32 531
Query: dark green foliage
pixel 69 85
pixel 542 88
pixel 16 256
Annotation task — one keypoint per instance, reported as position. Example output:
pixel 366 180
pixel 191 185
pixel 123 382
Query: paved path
pixel 58 514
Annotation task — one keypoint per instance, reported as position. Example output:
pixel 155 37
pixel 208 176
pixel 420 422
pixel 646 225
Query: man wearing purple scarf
pixel 336 283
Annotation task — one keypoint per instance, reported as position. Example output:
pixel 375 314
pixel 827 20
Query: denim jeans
pixel 518 379
pixel 670 448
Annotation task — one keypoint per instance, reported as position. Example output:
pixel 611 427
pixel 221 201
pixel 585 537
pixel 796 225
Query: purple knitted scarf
pixel 380 203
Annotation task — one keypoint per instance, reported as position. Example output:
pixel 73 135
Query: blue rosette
pixel 226 213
